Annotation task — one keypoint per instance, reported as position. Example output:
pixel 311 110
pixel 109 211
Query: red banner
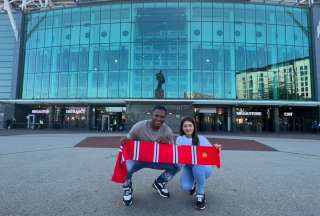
pixel 153 152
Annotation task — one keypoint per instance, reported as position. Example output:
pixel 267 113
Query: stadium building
pixel 249 66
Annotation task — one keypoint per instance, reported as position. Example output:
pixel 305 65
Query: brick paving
pixel 227 144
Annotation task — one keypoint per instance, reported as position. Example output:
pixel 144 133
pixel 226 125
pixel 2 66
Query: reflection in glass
pixel 286 80
pixel 206 50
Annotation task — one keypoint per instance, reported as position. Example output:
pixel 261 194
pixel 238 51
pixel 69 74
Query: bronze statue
pixel 161 80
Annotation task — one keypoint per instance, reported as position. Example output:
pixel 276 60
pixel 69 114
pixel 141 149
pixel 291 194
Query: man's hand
pixel 163 140
pixel 123 140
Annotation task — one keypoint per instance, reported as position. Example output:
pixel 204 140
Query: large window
pixel 205 50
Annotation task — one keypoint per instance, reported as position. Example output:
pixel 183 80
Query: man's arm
pixel 171 137
pixel 168 137
pixel 132 134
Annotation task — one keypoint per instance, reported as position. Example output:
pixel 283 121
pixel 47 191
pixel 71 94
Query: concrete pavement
pixel 43 174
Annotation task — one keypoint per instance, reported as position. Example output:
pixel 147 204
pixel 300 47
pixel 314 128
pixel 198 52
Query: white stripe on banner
pixel 155 152
pixel 120 150
pixel 138 149
pixel 157 149
pixel 176 155
pixel 194 154
pixel 135 150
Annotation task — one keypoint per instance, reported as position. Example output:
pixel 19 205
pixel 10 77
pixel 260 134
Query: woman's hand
pixel 218 146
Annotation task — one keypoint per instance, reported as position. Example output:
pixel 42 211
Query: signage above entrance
pixel 76 110
pixel 207 110
pixel 45 111
pixel 288 114
pixel 114 109
pixel 249 113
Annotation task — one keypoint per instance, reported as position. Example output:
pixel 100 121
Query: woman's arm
pixel 205 142
pixel 178 140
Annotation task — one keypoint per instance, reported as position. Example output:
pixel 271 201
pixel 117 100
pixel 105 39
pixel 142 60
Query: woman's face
pixel 188 128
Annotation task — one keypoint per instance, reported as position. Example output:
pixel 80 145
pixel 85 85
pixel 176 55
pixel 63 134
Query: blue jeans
pixel 197 174
pixel 169 170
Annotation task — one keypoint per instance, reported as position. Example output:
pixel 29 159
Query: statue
pixel 161 80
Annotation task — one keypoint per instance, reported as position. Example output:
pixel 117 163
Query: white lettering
pixel 249 113
pixel 288 114
pixel 76 111
pixel 46 111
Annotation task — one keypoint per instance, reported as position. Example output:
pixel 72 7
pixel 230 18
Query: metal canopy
pixel 8 6
pixel 167 101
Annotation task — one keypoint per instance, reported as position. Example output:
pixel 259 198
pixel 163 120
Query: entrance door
pixel 298 124
pixel 1 120
pixel 207 122
pixel 291 124
pixel 105 123
pixel 31 118
pixel 211 122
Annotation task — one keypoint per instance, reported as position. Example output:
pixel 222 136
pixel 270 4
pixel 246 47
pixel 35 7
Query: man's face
pixel 158 117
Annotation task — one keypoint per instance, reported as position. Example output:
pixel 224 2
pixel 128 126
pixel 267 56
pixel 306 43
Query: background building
pixel 241 65
pixel 291 80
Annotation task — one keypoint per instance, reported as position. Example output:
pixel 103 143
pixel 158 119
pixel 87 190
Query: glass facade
pixel 205 50
pixel 8 56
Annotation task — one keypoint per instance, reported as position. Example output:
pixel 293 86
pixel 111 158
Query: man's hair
pixel 159 107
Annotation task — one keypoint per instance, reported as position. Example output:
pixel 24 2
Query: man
pixel 150 130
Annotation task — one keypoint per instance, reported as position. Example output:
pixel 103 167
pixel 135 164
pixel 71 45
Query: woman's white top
pixel 183 140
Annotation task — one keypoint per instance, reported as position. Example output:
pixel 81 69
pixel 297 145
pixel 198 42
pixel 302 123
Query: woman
pixel 193 177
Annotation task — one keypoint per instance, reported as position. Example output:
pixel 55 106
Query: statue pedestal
pixel 159 93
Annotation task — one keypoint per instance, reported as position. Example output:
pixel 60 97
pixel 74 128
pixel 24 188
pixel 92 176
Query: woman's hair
pixel 195 138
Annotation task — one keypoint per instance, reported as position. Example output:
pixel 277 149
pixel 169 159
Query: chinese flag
pixel 208 156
